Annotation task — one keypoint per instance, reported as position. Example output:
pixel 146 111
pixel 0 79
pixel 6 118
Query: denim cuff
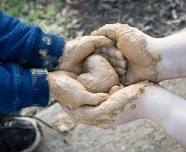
pixel 46 52
pixel 34 88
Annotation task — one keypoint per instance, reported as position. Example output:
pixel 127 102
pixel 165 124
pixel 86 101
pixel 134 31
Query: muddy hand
pixel 121 107
pixel 137 48
pixel 116 59
pixel 68 91
pixel 78 49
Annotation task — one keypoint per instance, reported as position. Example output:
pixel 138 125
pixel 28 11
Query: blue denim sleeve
pixel 22 88
pixel 28 45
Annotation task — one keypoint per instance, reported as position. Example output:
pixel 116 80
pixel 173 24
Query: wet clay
pixel 100 76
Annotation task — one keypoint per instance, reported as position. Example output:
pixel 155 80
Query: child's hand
pixel 67 90
pixel 78 49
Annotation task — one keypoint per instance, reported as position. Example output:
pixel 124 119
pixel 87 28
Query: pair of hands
pixel 143 64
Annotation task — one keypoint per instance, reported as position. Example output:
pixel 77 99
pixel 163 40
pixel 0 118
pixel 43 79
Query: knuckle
pixel 98 38
pixel 125 25
pixel 117 24
pixel 102 38
pixel 107 26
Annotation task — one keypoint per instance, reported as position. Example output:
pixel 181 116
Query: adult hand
pixel 67 90
pixel 137 47
pixel 121 107
pixel 78 49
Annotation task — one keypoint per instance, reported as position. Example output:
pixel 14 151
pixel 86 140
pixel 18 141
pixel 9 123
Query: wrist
pixel 156 104
pixel 172 50
pixel 165 108
pixel 156 52
pixel 133 98
pixel 153 102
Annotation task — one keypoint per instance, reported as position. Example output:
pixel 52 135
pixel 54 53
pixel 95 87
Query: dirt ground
pixel 155 17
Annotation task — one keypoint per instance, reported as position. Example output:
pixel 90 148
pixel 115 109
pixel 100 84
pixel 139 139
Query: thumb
pixel 130 78
pixel 108 30
pixel 93 99
pixel 86 45
pixel 133 75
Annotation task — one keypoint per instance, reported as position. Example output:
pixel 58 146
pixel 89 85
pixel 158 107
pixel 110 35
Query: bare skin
pixel 142 100
pixel 173 55
pixel 139 101
pixel 119 105
pixel 142 61
pixel 149 58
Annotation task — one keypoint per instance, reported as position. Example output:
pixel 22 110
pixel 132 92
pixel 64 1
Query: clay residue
pixel 143 62
pixel 72 93
pixel 100 75
pixel 116 59
pixel 117 105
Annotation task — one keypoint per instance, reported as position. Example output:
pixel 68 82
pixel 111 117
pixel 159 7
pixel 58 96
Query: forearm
pixel 165 108
pixel 172 50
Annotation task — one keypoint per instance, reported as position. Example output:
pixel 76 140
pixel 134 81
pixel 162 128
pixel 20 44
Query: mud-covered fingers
pixel 115 53
pixel 114 56
pixel 102 115
pixel 70 74
pixel 100 42
pixel 108 30
pixel 95 116
pixel 92 99
pixel 72 93
pixel 89 44
pixel 116 88
pixel 78 49
pixel 128 39
pixel 119 108
pixel 116 59
pixel 112 31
